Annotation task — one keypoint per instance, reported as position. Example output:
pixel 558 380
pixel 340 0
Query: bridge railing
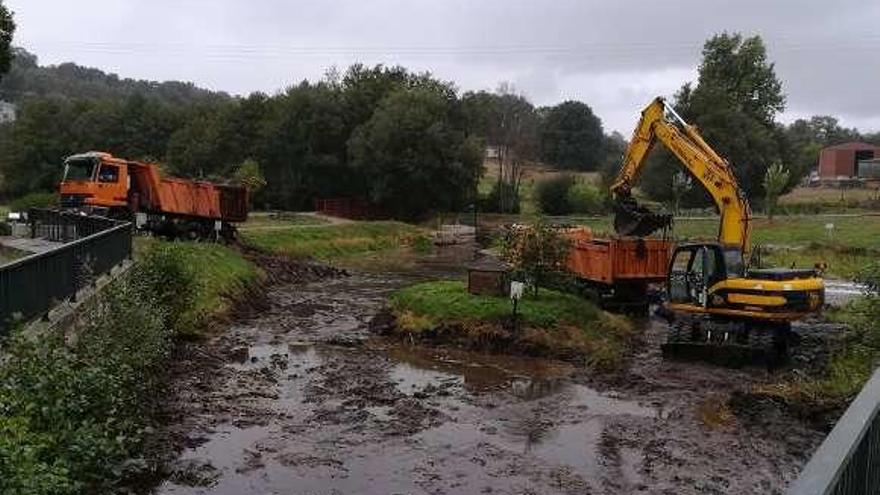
pixel 848 461
pixel 33 285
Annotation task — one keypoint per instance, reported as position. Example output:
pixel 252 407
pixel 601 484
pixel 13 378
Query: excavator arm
pixel 701 161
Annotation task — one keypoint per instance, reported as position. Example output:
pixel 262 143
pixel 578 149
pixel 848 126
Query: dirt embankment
pixel 296 395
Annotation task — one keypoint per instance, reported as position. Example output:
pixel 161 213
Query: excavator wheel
pixel 632 219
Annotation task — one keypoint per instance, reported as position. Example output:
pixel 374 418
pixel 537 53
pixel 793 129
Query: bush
pixel 535 252
pixel 551 194
pixel 491 203
pixel 585 198
pixel 34 200
pixel 74 411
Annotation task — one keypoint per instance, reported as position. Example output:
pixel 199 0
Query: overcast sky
pixel 615 55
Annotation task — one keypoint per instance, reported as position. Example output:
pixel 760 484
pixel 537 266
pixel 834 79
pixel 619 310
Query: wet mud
pixel 299 397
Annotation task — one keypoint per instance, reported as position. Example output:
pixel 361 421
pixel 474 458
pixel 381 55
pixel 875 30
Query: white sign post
pixel 516 293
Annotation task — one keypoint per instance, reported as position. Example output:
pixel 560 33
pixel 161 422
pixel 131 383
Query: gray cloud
pixel 614 55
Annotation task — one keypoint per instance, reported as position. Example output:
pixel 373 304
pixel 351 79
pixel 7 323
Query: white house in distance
pixel 7 112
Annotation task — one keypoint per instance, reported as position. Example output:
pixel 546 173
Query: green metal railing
pixel 848 461
pixel 33 285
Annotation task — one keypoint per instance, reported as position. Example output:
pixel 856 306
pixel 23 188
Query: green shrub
pixel 551 194
pixel 34 200
pixel 73 412
pixel 492 202
pixel 584 198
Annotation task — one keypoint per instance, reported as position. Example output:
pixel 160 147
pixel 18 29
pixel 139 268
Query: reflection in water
pixel 478 372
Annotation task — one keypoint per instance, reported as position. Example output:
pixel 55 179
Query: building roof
pixel 852 145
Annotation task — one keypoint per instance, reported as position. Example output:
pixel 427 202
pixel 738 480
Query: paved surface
pixel 28 245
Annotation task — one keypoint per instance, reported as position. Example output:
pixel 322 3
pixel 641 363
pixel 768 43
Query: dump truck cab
pixel 95 180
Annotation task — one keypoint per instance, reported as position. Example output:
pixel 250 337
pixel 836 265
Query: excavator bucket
pixel 631 219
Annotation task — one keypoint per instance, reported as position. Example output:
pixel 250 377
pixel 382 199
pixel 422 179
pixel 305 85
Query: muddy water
pixel 302 400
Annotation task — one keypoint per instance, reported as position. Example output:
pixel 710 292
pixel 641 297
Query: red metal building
pixel 842 160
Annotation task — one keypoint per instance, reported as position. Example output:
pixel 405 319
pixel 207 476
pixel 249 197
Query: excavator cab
pixel 696 268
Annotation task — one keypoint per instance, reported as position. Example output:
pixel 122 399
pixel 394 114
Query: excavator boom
pixel 701 161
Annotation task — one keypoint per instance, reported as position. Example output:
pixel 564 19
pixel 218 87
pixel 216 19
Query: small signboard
pixel 516 290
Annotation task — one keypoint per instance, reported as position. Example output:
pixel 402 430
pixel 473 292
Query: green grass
pixel 857 231
pixel 336 241
pixel 258 221
pixel 449 300
pixel 842 262
pixel 220 272
pixel 553 323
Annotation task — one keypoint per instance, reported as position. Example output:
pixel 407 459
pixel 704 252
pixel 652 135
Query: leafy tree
pixel 734 104
pixel 681 185
pixel 571 136
pixel 248 174
pixel 7 29
pixel 614 147
pixel 775 180
pixel 535 251
pixel 30 157
pixel 303 154
pixel 585 198
pixel 509 124
pixel 216 137
pixel 414 154
pixel 364 87
pixel 807 137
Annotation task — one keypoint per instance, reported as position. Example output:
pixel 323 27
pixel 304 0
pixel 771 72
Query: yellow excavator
pixel 716 302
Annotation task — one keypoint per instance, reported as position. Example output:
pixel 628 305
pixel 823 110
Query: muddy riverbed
pixel 301 399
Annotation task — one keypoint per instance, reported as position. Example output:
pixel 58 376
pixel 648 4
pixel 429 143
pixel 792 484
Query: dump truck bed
pixel 186 197
pixel 612 261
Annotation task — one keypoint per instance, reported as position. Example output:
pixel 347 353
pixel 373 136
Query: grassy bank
pixel 77 406
pixel 267 220
pixel 551 324
pixel 219 273
pixel 336 241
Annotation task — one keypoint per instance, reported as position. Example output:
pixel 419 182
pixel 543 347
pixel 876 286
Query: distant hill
pixel 27 78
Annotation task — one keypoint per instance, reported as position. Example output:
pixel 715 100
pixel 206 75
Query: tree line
pixel 408 142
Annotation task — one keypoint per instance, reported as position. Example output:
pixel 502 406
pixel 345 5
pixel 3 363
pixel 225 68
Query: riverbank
pixel 302 394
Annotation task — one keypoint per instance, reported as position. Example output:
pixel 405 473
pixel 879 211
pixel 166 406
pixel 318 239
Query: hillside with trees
pixel 28 79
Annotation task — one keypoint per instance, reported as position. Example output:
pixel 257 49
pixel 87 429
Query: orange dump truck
pixel 620 270
pixel 173 207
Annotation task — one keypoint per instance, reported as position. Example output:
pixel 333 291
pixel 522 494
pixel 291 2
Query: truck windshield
pixel 79 169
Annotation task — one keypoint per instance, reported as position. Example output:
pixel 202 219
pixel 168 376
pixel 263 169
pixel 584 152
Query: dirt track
pixel 301 399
